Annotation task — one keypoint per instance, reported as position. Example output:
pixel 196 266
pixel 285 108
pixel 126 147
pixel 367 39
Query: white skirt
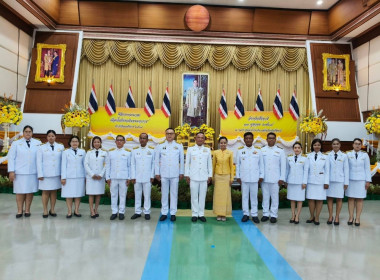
pixel 315 192
pixel 50 183
pixel 25 183
pixel 74 188
pixel 336 189
pixel 295 192
pixel 95 187
pixel 356 189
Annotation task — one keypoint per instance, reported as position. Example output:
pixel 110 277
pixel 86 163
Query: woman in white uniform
pixel 49 158
pixel 317 181
pixel 360 179
pixel 338 180
pixel 23 171
pixel 95 165
pixel 73 176
pixel 296 180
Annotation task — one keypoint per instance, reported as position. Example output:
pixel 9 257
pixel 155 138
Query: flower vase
pixel 6 137
pixel 75 130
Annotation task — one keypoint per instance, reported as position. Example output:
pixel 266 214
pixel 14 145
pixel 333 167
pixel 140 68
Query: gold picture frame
pixel 200 115
pixel 50 63
pixel 336 72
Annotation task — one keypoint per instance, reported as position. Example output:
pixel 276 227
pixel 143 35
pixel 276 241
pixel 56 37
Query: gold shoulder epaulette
pixel 136 147
pixel 257 147
pixel 279 147
pixel 162 142
pixel 128 150
pixel 290 155
pixel 151 147
pixel 103 149
pixel 67 149
pixel 111 149
pixel 242 147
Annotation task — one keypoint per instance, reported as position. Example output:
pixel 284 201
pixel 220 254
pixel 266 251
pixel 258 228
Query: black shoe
pixel 273 220
pixel 316 223
pixel 147 216
pixel 27 215
pixel 296 222
pixel 93 216
pixel 121 216
pixel 135 216
pixel 245 218
pixel 194 219
pixel 310 221
pixel 350 223
pixel 203 219
pixel 163 218
pixel 97 215
pixel 113 217
pixel 52 214
pixel 45 216
pixel 77 215
pixel 69 216
pixel 336 223
pixel 291 221
pixel 330 222
pixel 357 224
pixel 264 218
pixel 18 216
pixel 256 220
pixel 173 218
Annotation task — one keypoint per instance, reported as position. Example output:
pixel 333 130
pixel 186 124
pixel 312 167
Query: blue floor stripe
pixel 158 262
pixel 277 265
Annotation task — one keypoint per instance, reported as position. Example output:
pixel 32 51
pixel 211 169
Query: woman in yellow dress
pixel 223 166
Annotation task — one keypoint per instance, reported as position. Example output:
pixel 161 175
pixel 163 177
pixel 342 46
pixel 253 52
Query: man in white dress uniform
pixel 169 167
pixel 274 177
pixel 198 172
pixel 118 165
pixel 142 174
pixel 249 173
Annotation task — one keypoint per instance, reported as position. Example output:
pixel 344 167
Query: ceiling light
pixel 319 2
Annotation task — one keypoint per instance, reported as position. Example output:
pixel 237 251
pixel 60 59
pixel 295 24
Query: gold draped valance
pixel 195 56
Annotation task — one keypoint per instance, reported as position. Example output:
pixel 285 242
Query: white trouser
pixel 166 185
pixel 270 191
pixel 139 189
pixel 118 188
pixel 198 191
pixel 249 191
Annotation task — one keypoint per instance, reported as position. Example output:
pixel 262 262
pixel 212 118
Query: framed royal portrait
pixel 195 99
pixel 50 63
pixel 336 72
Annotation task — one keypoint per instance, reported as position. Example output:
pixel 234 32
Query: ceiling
pixel 284 4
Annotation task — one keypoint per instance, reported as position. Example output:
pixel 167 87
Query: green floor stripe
pixel 213 250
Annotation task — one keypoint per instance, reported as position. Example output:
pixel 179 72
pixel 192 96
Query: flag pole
pixel 129 81
pixel 93 81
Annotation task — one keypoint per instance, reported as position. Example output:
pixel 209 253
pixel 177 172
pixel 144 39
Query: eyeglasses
pixel 120 140
pixel 169 133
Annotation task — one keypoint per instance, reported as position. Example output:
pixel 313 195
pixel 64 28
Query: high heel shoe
pixel 357 224
pixel 330 222
pixel 310 221
pixel 52 214
pixel 350 223
pixel 336 223
pixel 291 221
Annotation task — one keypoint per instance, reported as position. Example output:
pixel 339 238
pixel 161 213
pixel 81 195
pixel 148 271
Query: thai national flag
pixel 165 108
pixel 93 102
pixel 239 107
pixel 149 107
pixel 293 107
pixel 277 106
pixel 223 106
pixel 130 103
pixel 259 103
pixel 110 106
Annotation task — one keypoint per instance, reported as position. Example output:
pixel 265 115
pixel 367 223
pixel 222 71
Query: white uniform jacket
pixel 198 163
pixel 274 164
pixel 339 169
pixel 297 172
pixel 319 171
pixel 21 158
pixel 169 160
pixel 73 164
pixel 49 161
pixel 95 165
pixel 249 164
pixel 359 168
pixel 118 164
pixel 142 164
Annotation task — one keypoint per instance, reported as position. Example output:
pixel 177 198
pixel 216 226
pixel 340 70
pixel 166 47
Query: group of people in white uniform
pixel 316 176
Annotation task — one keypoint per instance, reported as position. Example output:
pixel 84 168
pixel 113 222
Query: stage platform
pixel 84 248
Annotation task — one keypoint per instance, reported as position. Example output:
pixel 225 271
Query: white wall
pixel 367 58
pixel 15 51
